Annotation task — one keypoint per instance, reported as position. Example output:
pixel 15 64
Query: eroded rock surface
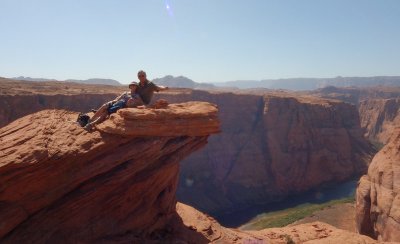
pixel 380 118
pixel 59 183
pixel 378 194
pixel 271 143
pixel 271 146
pixel 200 228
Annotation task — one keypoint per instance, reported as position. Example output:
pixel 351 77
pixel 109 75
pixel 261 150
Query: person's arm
pixel 158 88
pixel 135 101
pixel 119 97
pixel 163 88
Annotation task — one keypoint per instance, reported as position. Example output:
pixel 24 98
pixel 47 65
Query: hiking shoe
pixel 88 127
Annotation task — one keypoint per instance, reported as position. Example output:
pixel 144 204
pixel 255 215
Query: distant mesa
pixel 99 81
pixel 182 82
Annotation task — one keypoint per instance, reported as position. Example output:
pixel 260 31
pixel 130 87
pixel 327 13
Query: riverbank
pixel 312 201
pixel 339 213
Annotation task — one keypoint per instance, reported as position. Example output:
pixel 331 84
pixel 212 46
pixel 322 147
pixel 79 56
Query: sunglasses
pixel 141 76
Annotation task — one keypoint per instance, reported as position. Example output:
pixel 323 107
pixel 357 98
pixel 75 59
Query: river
pixel 321 195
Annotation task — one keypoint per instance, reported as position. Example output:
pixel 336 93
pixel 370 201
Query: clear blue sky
pixel 209 40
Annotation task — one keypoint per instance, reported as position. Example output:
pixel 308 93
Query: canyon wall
pixel 61 184
pixel 16 106
pixel 378 108
pixel 380 117
pixel 271 146
pixel 378 194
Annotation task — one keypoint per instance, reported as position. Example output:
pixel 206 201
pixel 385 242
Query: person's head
pixel 133 86
pixel 141 76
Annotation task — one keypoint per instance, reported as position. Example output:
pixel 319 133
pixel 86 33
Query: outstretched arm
pixel 162 88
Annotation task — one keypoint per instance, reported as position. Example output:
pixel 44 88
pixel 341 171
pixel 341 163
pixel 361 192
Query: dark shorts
pixel 112 108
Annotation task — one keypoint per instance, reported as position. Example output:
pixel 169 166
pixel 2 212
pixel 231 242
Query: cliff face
pixel 16 106
pixel 378 194
pixel 271 146
pixel 378 108
pixel 380 117
pixel 20 98
pixel 59 183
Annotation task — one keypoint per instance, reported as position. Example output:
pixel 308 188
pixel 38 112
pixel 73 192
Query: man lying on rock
pixel 140 96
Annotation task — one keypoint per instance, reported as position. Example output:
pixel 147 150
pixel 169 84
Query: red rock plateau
pixel 378 194
pixel 272 144
pixel 61 184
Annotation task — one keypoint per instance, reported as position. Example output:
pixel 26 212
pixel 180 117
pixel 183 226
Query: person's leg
pixel 102 110
pixel 101 117
pixel 116 106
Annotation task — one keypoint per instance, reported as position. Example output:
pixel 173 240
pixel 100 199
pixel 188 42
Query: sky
pixel 206 41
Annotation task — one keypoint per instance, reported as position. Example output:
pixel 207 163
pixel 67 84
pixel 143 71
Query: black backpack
pixel 83 119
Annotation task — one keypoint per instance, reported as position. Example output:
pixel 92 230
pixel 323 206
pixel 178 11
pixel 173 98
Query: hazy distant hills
pixel 31 79
pixel 289 84
pixel 182 82
pixel 314 83
pixel 88 81
pixel 97 81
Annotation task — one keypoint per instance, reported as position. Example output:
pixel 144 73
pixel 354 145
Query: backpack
pixel 83 119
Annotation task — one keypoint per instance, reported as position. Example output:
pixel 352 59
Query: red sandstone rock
pixel 378 194
pixel 59 183
pixel 197 227
pixel 380 117
pixel 189 119
pixel 270 145
pixel 378 108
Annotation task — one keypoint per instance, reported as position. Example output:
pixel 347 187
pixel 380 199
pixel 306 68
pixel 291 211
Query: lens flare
pixel 168 8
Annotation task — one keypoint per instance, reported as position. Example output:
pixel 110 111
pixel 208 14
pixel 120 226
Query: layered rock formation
pixel 271 146
pixel 380 117
pixel 60 184
pixel 378 194
pixel 272 143
pixel 193 226
pixel 19 98
pixel 378 108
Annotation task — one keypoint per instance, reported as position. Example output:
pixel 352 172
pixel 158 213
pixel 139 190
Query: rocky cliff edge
pixel 61 184
pixel 378 194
